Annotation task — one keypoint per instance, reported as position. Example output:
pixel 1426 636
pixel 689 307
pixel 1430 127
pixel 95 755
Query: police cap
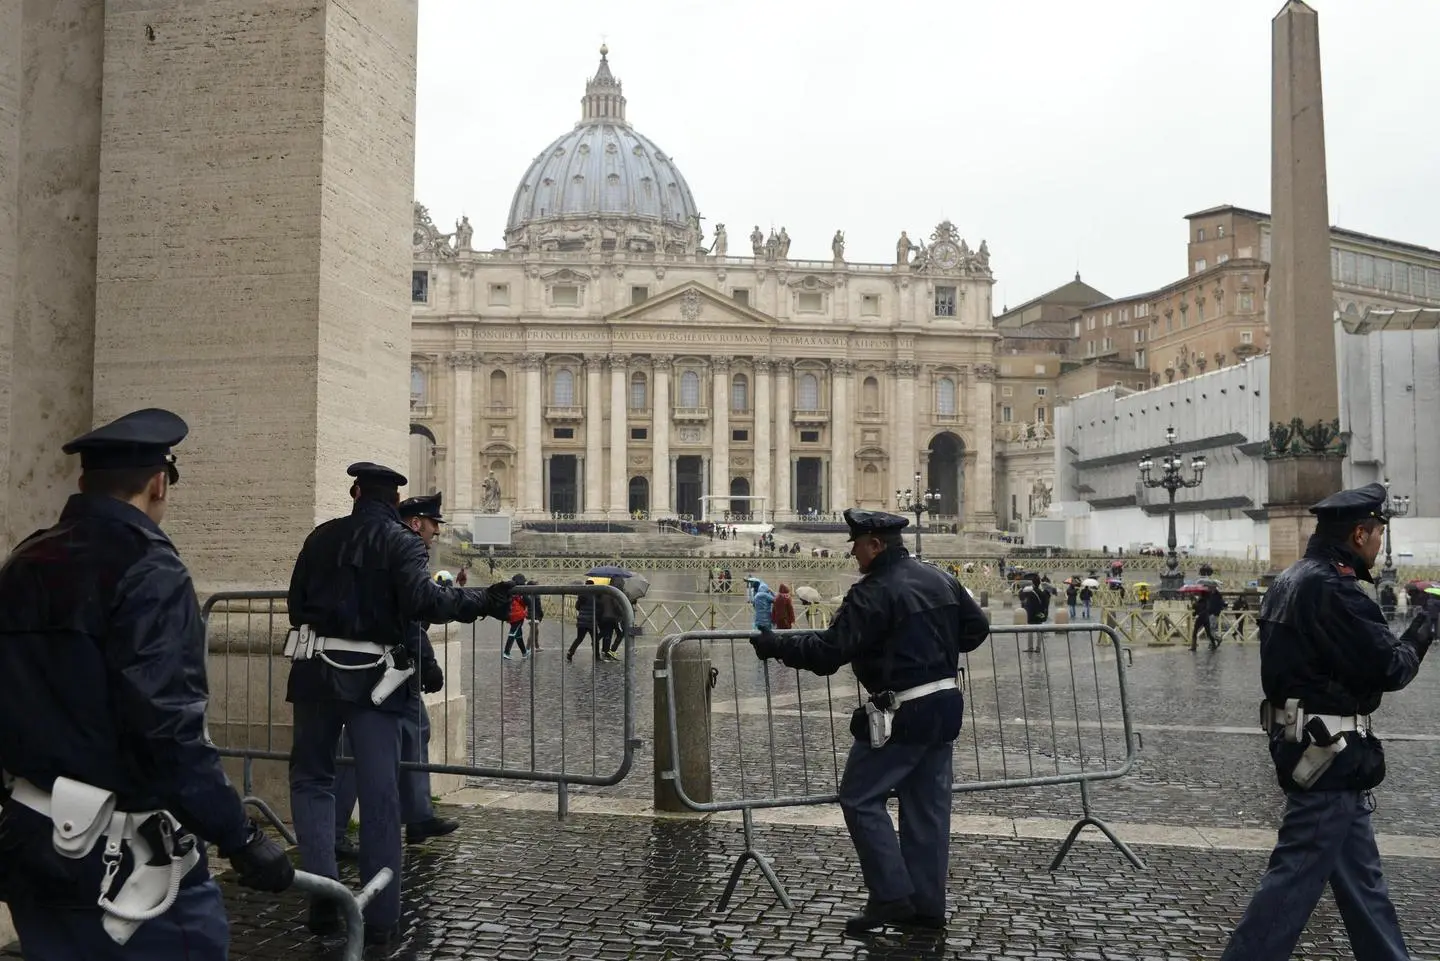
pixel 427 505
pixel 378 474
pixel 142 438
pixel 864 523
pixel 1353 506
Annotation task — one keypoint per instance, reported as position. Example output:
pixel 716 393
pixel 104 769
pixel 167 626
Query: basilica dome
pixel 603 185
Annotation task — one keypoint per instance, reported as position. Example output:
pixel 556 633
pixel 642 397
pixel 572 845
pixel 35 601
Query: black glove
pixel 495 600
pixel 262 863
pixel 766 644
pixel 432 678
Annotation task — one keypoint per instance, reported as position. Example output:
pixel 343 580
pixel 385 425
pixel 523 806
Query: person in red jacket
pixel 783 613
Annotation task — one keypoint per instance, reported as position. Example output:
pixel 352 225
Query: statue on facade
pixel 772 244
pixel 757 241
pixel 722 241
pixel 982 256
pixel 463 233
pixel 837 246
pixel 490 494
pixel 782 245
pixel 1039 498
pixel 903 246
pixel 921 260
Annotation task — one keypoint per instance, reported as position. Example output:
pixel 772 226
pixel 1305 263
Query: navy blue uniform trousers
pixel 375 736
pixel 1325 836
pixel 415 805
pixel 915 864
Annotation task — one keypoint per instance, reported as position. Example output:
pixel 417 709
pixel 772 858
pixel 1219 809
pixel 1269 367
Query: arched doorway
pixel 422 460
pixel 739 509
pixel 947 473
pixel 639 495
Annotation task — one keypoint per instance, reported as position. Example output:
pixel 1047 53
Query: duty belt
pixel 910 694
pixel 880 718
pixel 1322 735
pixel 302 643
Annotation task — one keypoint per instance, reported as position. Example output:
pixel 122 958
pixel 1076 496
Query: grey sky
pixel 1067 134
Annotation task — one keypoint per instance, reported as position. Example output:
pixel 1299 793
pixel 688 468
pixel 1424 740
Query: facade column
pixel 619 432
pixel 720 431
pixel 707 508
pixel 842 458
pixel 984 515
pixel 784 469
pixel 903 462
pixel 763 366
pixel 662 471
pixel 531 494
pixel 462 439
pixel 594 438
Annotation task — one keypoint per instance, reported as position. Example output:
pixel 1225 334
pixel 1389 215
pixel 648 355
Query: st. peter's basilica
pixel 611 359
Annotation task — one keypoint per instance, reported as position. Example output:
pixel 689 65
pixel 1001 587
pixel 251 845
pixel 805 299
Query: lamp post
pixel 916 501
pixel 1396 505
pixel 1171 480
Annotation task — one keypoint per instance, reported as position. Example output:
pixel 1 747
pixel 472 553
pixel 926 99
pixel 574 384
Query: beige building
pixel 610 361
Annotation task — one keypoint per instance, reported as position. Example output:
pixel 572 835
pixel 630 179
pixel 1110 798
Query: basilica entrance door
pixel 808 488
pixel 688 485
pixel 946 473
pixel 564 484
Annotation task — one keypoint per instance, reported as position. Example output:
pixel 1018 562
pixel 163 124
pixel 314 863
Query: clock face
pixel 945 254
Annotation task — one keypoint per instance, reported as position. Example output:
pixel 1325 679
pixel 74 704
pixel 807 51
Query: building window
pixel 1039 370
pixel 564 388
pixel 563 433
pixel 1384 277
pixel 639 294
pixel 419 287
pixel 1090 322
pixel 1247 301
pixel 945 397
pixel 1140 385
pixel 638 392
pixel 499 295
pixel 809 302
pixel 417 385
pixel 1109 318
pixel 499 388
pixel 1247 337
pixel 639 433
pixel 1200 235
pixel 1006 415
pixel 1041 391
pixel 869 305
pixel 870 395
pixel 1222 258
pixel 1106 345
pixel 944 301
pixel 1140 358
pixel 1199 311
pixel 1075 329
pixel 1039 415
pixel 809 437
pixel 740 393
pixel 1007 391
pixel 808 393
pixel 689 389
pixel 565 295
pixel 1200 265
pixel 739 436
pixel 1366 274
pixel 1219 230
pixel 741 295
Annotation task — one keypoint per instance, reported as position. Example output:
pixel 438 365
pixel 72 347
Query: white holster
pixel 82 814
pixel 882 718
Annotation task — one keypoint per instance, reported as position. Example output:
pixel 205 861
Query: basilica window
pixel 564 388
pixel 499 295
pixel 869 305
pixel 417 386
pixel 565 295
pixel 740 393
pixel 419 287
pixel 1007 414
pixel 741 295
pixel 639 294
pixel 689 389
pixel 870 395
pixel 638 398
pixel 808 393
pixel 945 396
pixel 499 389
pixel 945 301
pixel 810 302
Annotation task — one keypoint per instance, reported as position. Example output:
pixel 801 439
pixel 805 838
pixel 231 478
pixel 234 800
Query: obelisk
pixel 1305 448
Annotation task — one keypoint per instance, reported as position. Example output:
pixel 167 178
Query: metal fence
pixel 497 718
pixel 1059 717
pixel 1162 628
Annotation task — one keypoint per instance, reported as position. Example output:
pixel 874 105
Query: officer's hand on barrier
pixel 432 678
pixel 765 643
pixel 495 600
pixel 262 863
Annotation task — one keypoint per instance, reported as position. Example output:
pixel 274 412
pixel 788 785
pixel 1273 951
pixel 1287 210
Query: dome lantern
pixel 603 100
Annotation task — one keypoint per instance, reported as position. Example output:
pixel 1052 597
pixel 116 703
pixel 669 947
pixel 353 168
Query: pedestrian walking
pixel 1072 595
pixel 1326 659
pixel 902 629
pixel 1035 601
pixel 782 615
pixel 463 577
pixel 516 616
pixel 359 582
pixel 585 624
pixel 1206 609
pixel 1087 594
pixel 102 725
pixel 762 601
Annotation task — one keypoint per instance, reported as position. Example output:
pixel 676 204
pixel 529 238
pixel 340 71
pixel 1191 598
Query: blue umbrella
pixel 609 570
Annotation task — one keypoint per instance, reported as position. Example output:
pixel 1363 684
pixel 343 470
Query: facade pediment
pixel 691 303
pixel 810 282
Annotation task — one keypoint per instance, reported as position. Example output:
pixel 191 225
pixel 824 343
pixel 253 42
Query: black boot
pixel 878 914
pixel 433 828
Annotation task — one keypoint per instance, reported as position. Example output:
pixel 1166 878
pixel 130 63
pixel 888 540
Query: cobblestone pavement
pixel 516 885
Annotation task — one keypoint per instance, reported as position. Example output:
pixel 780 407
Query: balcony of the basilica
pixel 564 413
pixel 498 411
pixel 871 417
pixel 810 418
pixel 419 410
pixel 690 415
pixel 941 418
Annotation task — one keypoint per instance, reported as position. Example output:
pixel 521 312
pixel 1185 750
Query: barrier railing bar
pixel 804 754
pixel 999 716
pixel 1049 704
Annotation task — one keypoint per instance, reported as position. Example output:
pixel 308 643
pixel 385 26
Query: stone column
pixel 619 430
pixel 283 150
pixel 459 500
pixel 594 438
pixel 784 469
pixel 903 462
pixel 663 469
pixel 720 433
pixel 763 366
pixel 983 417
pixel 530 495
pixel 1304 400
pixel 842 457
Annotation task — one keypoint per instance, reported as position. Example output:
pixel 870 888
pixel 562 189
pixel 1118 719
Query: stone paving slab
pixel 519 885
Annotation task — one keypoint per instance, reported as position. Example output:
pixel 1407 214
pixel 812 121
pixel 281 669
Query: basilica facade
pixel 611 361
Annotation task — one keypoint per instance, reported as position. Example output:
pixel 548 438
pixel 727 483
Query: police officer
pixel 902 628
pixel 1326 657
pixel 103 652
pixel 423 516
pixel 359 584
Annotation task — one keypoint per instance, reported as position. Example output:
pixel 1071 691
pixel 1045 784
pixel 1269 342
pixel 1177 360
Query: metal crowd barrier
pixel 546 721
pixel 1058 717
pixel 1161 628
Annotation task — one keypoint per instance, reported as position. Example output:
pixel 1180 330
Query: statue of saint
pixel 982 256
pixel 757 241
pixel 490 494
pixel 722 241
pixel 903 246
pixel 782 245
pixel 837 246
pixel 463 233
pixel 772 244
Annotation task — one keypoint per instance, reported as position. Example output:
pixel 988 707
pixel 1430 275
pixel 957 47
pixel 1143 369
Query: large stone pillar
pixel 1304 399
pixel 982 517
pixel 763 366
pixel 719 435
pixel 619 427
pixel 903 462
pixel 661 466
pixel 594 439
pixel 784 469
pixel 459 500
pixel 256 185
pixel 842 456
pixel 531 495
pixel 51 66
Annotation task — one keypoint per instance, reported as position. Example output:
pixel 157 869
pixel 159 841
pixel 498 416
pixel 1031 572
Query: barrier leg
pixel 351 905
pixel 1090 820
pixel 750 854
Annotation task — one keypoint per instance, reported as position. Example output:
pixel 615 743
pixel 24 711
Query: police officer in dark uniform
pixel 902 628
pixel 103 653
pixel 1326 658
pixel 359 585
pixel 423 516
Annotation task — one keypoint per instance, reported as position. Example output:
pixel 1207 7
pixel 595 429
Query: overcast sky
pixel 1070 135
